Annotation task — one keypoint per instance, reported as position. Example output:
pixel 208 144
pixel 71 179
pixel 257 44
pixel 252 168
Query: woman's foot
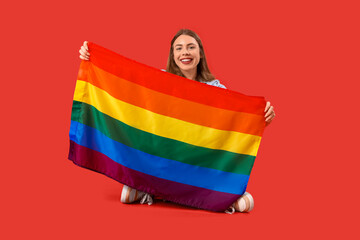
pixel 245 203
pixel 130 195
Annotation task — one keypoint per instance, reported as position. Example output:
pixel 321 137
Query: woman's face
pixel 186 53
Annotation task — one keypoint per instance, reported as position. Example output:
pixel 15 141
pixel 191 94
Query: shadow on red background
pixel 302 56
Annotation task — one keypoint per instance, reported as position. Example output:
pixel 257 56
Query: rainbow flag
pixel 181 140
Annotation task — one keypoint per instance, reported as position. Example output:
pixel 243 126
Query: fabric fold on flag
pixel 175 138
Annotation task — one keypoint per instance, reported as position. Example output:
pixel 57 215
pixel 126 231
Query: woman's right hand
pixel 84 54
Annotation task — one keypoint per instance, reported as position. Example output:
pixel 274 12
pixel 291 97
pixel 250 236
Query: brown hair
pixel 203 72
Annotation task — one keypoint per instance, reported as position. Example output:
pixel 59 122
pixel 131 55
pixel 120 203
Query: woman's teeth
pixel 186 61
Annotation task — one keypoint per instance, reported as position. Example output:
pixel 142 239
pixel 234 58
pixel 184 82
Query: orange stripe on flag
pixel 182 109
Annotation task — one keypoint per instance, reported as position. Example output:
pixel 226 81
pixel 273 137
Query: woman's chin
pixel 187 68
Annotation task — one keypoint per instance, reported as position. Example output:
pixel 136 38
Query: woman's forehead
pixel 185 40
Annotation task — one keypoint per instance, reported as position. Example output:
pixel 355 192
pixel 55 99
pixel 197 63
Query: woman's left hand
pixel 269 113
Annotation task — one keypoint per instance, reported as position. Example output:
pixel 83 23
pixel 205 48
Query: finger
pixel 270 111
pixel 85 51
pixel 85 45
pixel 82 52
pixel 83 55
pixel 269 119
pixel 267 106
pixel 84 58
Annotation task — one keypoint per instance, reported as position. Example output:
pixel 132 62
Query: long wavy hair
pixel 203 72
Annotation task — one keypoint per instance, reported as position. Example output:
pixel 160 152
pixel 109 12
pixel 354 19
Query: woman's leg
pixel 130 195
pixel 245 203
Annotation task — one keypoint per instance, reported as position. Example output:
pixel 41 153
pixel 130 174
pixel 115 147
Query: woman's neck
pixel 191 74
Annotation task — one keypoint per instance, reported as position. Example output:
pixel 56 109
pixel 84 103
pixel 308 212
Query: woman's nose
pixel 185 52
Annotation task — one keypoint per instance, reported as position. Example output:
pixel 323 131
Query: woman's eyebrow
pixel 186 44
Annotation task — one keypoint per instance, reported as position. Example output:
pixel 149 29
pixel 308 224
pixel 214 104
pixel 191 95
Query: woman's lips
pixel 186 61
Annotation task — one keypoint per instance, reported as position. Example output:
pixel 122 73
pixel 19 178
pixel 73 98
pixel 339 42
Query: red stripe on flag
pixel 171 84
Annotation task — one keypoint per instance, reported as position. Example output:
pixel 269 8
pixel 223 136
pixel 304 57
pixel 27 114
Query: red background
pixel 303 56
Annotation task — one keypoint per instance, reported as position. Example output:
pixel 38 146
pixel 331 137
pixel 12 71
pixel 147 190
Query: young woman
pixel 187 59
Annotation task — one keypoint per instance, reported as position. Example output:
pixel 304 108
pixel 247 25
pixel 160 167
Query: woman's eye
pixel 177 49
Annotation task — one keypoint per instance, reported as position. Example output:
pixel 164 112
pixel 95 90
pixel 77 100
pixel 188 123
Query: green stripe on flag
pixel 161 146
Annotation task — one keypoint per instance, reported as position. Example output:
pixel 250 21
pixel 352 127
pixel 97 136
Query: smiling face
pixel 187 57
pixel 186 54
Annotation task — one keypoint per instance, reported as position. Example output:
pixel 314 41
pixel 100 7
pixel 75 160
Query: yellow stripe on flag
pixel 165 126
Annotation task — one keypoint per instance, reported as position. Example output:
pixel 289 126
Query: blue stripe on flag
pixel 156 166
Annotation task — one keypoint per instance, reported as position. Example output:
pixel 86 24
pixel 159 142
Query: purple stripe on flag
pixel 165 189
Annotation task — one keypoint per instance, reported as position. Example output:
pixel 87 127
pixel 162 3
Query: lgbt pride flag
pixel 181 140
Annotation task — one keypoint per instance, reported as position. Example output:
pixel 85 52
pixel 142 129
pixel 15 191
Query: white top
pixel 214 82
